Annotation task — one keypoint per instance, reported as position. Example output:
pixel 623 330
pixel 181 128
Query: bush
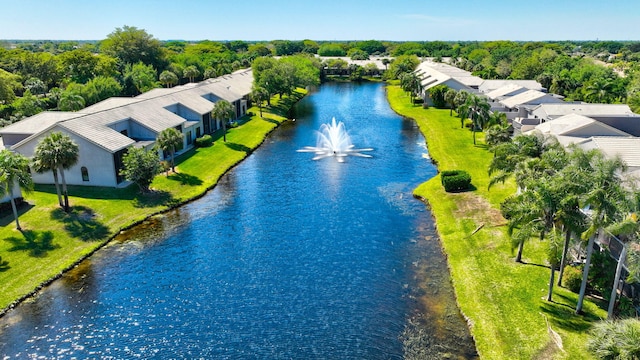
pixel 455 180
pixel 572 278
pixel 204 141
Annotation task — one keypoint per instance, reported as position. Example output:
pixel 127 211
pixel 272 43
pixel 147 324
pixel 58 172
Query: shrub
pixel 455 180
pixel 572 278
pixel 204 141
pixel 615 339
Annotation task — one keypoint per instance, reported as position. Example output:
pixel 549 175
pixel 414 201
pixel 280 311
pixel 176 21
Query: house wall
pixel 134 130
pixel 98 161
pixel 451 83
pixel 628 124
pixel 12 139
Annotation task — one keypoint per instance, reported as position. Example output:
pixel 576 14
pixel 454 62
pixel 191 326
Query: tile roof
pixel 509 89
pixel 148 110
pixel 550 111
pixel 527 97
pixel 628 148
pixel 38 122
pixel 490 85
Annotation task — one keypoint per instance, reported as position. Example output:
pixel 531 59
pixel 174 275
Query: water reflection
pixel 280 261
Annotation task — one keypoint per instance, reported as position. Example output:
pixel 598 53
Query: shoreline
pixel 269 117
pixel 502 301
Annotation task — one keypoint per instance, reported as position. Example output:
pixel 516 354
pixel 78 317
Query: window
pixel 189 140
pixel 85 173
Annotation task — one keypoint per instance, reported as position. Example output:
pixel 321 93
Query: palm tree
pixel 450 98
pixel 210 73
pixel 70 101
pixel 14 169
pixel 600 91
pixel 461 98
pixel 191 72
pixel 411 83
pixel 168 78
pixel 544 204
pixel 57 152
pixel 169 140
pixel 259 94
pixel 223 110
pixel 38 166
pixel 497 134
pixel 605 196
pixel 477 109
pixel 509 154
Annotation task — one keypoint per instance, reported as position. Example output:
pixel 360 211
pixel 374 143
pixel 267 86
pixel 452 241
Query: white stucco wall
pixel 98 161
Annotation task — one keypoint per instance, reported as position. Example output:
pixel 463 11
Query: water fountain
pixel 334 141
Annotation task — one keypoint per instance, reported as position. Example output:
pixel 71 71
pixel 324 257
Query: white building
pixel 105 131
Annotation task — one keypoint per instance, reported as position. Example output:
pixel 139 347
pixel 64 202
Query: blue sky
pixel 400 20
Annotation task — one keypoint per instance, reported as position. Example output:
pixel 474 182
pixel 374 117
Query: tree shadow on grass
pixel 238 147
pixel 271 121
pixel 534 264
pixel 6 216
pixel 37 243
pixel 80 222
pixel 4 265
pixel 185 179
pixel 561 313
pixel 156 197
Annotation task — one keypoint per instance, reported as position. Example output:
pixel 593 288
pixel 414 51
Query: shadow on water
pixel 80 222
pixel 436 330
pixel 36 243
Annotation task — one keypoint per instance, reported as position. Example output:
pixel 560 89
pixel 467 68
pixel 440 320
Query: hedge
pixel 204 141
pixel 455 180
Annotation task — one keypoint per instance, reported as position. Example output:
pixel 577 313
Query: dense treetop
pixel 41 75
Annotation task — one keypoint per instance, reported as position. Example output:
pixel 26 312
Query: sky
pixel 392 20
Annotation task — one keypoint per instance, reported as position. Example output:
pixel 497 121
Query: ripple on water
pixel 286 258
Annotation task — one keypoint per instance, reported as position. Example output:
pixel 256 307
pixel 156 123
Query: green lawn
pixel 503 300
pixel 53 241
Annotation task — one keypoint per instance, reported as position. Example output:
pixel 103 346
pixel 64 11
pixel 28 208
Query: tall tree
pixel 57 152
pixel 169 140
pixel 450 99
pixel 477 109
pixel 223 110
pixel 461 98
pixel 71 101
pixel 14 170
pixel 168 78
pixel 140 167
pixel 141 76
pixel 605 196
pixel 258 95
pixel 132 45
pixel 191 72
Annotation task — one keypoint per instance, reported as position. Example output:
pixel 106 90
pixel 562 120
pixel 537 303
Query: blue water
pixel 285 258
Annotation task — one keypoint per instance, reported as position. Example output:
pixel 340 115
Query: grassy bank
pixel 52 241
pixel 503 300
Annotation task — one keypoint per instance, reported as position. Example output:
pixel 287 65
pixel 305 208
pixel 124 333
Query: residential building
pixel 106 130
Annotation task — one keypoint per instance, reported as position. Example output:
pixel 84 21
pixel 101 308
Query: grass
pixel 504 301
pixel 52 241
